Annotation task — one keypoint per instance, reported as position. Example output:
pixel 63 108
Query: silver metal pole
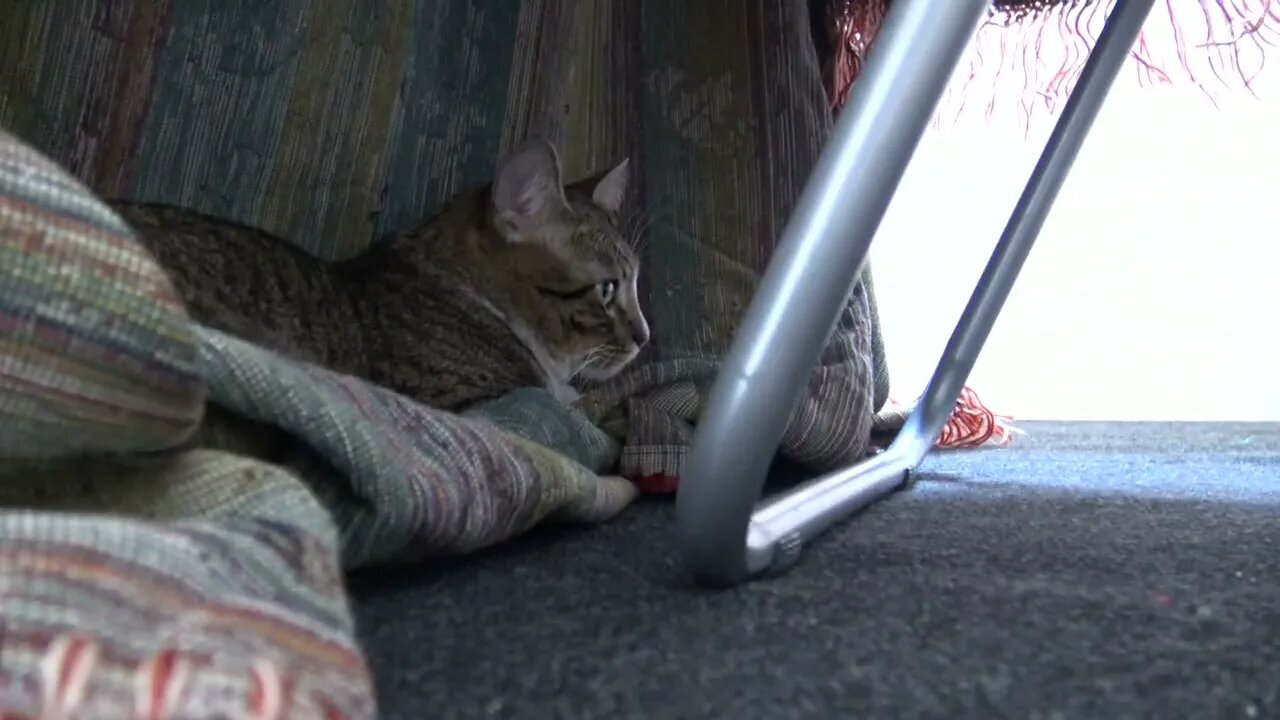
pixel 821 252
pixel 775 534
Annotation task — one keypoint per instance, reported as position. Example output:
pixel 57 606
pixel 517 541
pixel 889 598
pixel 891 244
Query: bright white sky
pixel 1153 291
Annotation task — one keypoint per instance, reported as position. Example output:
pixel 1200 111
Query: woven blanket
pixel 144 575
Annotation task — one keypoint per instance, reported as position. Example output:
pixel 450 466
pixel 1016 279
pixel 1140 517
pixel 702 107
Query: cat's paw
pixel 564 393
pixel 615 493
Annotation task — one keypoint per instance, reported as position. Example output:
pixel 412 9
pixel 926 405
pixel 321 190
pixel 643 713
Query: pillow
pixel 96 350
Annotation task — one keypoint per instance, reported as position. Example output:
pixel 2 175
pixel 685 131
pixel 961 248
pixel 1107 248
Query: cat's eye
pixel 607 289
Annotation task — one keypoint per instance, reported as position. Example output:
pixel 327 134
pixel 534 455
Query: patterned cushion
pixel 96 352
pixel 210 588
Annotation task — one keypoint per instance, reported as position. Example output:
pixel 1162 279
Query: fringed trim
pixel 972 425
pixel 1042 46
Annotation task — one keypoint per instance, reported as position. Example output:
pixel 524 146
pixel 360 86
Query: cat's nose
pixel 640 332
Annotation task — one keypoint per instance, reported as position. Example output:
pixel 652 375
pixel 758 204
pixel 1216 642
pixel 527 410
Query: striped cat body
pixel 523 282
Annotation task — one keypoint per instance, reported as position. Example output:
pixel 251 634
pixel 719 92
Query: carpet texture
pixel 1090 570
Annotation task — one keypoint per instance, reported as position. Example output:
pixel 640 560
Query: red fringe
pixel 1211 40
pixel 972 425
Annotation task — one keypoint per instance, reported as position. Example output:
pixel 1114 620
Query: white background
pixel 1154 289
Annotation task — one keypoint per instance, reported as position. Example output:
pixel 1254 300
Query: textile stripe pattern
pixel 117 617
pixel 327 121
pixel 77 295
pixel 405 482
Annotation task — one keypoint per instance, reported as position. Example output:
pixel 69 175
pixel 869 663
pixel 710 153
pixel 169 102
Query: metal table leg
pixel 823 248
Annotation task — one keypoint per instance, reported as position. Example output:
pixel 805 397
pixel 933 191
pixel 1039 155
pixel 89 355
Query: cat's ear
pixel 527 189
pixel 611 188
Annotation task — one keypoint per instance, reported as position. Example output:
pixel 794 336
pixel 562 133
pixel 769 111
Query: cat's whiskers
pixel 636 232
pixel 599 352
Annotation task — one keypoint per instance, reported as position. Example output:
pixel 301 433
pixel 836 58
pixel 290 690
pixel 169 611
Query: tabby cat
pixel 523 282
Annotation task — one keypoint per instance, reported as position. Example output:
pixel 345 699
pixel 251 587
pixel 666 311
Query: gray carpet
pixel 1089 571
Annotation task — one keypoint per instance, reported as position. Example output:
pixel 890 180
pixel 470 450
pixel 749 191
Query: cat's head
pixel 575 270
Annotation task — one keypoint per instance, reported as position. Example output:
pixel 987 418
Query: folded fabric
pixel 404 482
pixel 197 585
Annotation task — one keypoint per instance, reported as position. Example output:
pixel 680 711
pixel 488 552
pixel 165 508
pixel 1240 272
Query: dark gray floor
pixel 1090 571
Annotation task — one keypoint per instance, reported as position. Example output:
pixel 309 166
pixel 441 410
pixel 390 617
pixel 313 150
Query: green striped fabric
pixel 96 353
pixel 404 482
pixel 327 121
